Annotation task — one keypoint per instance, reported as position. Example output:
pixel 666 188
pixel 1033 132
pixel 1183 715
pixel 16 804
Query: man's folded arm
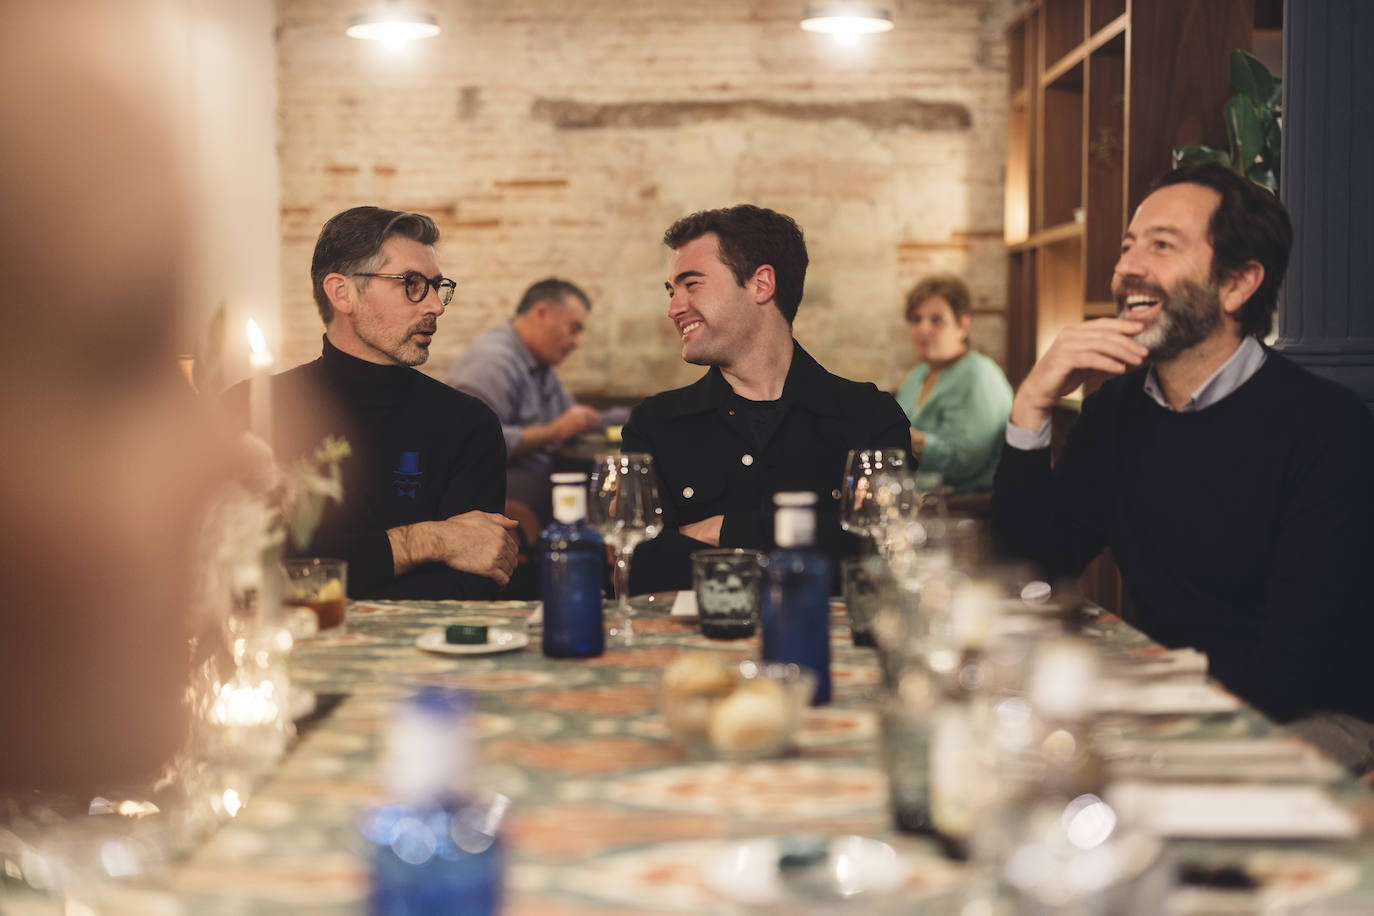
pixel 368 554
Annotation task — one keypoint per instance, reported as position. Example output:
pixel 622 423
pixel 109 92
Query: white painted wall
pixel 226 62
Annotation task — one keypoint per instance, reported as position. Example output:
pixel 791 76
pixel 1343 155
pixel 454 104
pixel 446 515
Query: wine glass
pixel 623 506
pixel 867 495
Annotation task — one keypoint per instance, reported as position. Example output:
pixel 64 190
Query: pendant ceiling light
pixel 847 21
pixel 390 23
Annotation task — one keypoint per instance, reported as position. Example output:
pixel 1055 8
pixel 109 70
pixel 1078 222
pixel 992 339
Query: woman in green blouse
pixel 957 399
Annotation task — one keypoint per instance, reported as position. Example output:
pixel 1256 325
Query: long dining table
pixel 607 815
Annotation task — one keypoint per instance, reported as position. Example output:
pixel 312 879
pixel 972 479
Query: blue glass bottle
pixel 433 849
pixel 572 560
pixel 795 611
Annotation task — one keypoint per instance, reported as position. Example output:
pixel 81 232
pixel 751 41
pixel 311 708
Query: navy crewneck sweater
pixel 1243 529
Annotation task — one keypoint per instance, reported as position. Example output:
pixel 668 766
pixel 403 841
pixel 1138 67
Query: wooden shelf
pixel 1060 233
pixel 1100 93
pixel 1065 29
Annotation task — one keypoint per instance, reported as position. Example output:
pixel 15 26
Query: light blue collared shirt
pixel 1233 373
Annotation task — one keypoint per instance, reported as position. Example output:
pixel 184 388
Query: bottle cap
pixel 569 496
pixel 428 749
pixel 795 522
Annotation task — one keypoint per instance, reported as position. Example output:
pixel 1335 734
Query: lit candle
pixel 259 393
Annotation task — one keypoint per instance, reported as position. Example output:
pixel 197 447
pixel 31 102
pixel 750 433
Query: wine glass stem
pixel 622 581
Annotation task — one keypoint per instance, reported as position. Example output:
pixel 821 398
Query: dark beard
pixel 1191 312
pixel 1194 312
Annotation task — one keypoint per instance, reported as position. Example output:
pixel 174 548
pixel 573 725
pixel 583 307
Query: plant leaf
pixel 1264 176
pixel 1198 155
pixel 208 353
pixel 1273 143
pixel 1251 78
pixel 1246 132
pixel 305 518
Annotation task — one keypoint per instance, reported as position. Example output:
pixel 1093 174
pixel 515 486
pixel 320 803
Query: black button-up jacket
pixel 708 464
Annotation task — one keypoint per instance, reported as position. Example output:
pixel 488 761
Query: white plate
pixel 748 872
pixel 499 639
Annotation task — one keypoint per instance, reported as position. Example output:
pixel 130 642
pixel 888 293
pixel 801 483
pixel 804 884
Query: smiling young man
pixel 1233 487
pixel 765 418
pixel 425 484
pixel 510 367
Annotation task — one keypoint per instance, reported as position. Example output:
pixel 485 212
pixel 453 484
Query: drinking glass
pixel 623 506
pixel 727 581
pixel 864 505
pixel 320 584
pixel 934 495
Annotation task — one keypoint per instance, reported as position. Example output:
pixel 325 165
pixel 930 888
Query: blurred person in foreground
pixel 510 368
pixel 765 418
pixel 108 457
pixel 425 485
pixel 1233 487
pixel 957 399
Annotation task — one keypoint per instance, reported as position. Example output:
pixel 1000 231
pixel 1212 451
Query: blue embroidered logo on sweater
pixel 408 477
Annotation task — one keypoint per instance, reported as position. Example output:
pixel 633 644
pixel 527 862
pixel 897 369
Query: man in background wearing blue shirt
pixel 510 367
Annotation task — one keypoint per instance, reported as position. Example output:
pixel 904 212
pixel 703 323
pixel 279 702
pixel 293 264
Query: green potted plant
pixel 1254 119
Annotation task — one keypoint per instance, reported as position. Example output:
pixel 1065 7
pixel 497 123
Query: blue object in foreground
pixel 795 612
pixel 434 850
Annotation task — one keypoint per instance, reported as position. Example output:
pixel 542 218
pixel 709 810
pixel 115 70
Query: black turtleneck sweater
pixel 421 452
pixel 1243 529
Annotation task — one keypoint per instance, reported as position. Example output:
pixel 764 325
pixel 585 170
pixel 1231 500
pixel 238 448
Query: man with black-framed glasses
pixel 425 485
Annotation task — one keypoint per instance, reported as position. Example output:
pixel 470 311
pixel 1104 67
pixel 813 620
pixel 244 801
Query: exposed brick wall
pixel 563 136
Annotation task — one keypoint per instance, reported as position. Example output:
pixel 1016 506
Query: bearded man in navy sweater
pixel 1235 489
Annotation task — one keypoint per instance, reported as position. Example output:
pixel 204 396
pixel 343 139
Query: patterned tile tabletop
pixel 607 815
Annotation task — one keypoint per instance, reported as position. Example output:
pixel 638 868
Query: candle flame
pixel 259 356
pixel 255 338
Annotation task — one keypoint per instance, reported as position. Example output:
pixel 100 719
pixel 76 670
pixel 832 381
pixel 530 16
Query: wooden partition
pixel 1101 91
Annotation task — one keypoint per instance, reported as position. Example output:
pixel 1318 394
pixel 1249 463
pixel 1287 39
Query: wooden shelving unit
pixel 1101 91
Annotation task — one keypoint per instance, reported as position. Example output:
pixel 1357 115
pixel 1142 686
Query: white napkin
pixel 1165 698
pixel 1219 810
pixel 685 605
pixel 1169 663
pixel 1229 760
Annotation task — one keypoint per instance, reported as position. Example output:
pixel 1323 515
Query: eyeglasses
pixel 418 285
